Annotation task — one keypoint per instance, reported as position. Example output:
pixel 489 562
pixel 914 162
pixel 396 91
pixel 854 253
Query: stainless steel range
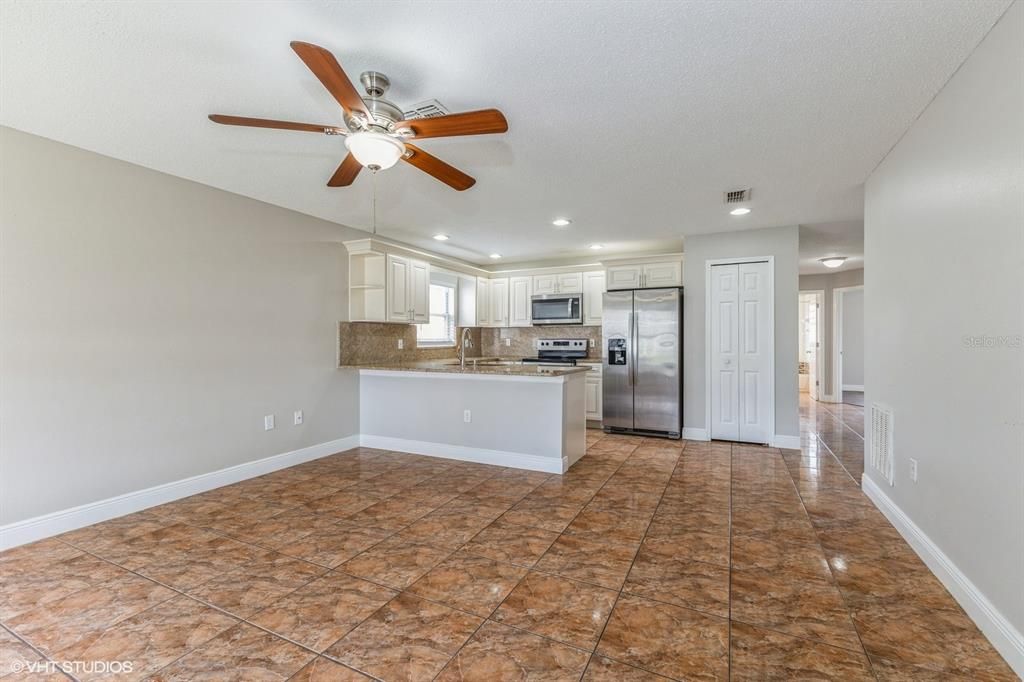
pixel 559 351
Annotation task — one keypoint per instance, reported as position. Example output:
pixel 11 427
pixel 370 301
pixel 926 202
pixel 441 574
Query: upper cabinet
pixel 645 275
pixel 408 290
pixel 519 292
pixel 483 302
pixel 593 297
pixel 499 302
pixel 559 283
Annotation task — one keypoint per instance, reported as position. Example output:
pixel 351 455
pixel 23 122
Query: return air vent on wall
pixel 737 196
pixel 431 108
pixel 880 450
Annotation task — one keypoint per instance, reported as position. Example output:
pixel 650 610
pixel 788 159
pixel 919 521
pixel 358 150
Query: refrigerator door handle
pixel 629 349
pixel 632 349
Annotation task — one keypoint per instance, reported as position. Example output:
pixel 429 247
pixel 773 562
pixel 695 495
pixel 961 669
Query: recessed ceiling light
pixel 495 256
pixel 441 237
pixel 560 222
pixel 833 262
pixel 597 247
pixel 739 211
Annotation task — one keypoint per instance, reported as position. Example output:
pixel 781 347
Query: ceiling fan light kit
pixel 376 132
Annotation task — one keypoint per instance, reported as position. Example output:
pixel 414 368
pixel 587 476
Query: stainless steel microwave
pixel 557 309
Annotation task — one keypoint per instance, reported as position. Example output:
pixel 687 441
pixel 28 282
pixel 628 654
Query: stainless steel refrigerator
pixel 643 363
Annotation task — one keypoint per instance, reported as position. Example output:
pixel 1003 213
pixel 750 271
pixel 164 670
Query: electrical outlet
pixel 268 422
pixel 467 416
pixel 508 342
pixel 401 344
pixel 297 419
pixel 592 343
pixel 913 470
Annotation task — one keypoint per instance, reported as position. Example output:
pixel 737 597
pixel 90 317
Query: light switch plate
pixel 297 419
pixel 268 422
pixel 401 344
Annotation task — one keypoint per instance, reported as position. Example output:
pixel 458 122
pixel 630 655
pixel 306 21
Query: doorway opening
pixel 811 332
pixel 848 344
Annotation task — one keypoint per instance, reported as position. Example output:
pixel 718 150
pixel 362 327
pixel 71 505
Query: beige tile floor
pixel 648 560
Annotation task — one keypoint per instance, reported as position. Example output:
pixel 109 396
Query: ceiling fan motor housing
pixel 384 112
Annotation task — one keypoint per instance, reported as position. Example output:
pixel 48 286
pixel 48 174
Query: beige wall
pixel 946 352
pixel 148 324
pixel 828 283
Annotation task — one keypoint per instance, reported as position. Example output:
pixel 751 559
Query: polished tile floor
pixel 648 560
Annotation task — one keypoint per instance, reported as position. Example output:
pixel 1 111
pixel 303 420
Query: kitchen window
pixel 440 331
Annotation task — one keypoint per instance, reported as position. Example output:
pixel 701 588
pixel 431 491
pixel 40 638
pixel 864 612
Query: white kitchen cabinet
pixel 519 291
pixel 592 395
pixel 408 290
pixel 593 297
pixel 483 302
pixel 667 274
pixel 499 302
pixel 645 275
pixel 569 283
pixel 544 284
pixel 467 301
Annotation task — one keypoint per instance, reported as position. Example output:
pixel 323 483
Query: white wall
pixel 827 283
pixel 148 324
pixel 853 337
pixel 780 242
pixel 949 198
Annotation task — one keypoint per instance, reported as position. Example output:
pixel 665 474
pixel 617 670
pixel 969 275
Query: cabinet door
pixel 569 283
pixel 623 277
pixel 544 284
pixel 483 302
pixel 467 302
pixel 519 289
pixel 419 291
pixel 399 305
pixel 593 297
pixel 499 302
pixel 592 394
pixel 667 274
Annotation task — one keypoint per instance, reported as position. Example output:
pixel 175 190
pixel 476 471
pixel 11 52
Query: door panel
pixel 483 302
pixel 724 356
pixel 398 289
pixel 569 283
pixel 519 301
pixel 755 361
pixel 656 389
pixel 499 302
pixel 616 379
pixel 419 291
pixel 544 284
pixel 593 297
pixel 623 277
pixel 669 274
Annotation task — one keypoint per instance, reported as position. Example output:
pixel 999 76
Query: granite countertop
pixel 485 366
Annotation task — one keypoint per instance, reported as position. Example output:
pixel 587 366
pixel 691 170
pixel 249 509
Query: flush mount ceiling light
pixel 739 211
pixel 561 222
pixel 375 151
pixel 495 256
pixel 833 261
pixel 597 247
pixel 441 237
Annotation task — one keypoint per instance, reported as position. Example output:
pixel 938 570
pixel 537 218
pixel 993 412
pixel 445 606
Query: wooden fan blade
pixel 327 69
pixel 431 165
pixel 346 173
pixel 270 123
pixel 468 123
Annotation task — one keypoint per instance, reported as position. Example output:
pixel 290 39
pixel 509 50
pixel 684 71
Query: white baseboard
pixel 853 387
pixel 1007 640
pixel 788 442
pixel 827 399
pixel 48 525
pixel 690 433
pixel 518 460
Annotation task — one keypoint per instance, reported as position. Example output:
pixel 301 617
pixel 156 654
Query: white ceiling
pixel 821 240
pixel 629 117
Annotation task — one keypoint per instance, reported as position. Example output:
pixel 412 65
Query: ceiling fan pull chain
pixel 373 175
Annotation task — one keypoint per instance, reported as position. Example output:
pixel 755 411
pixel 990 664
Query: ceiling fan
pixel 376 132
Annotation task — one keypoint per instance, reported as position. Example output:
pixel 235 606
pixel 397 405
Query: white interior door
pixel 725 423
pixel 755 353
pixel 813 345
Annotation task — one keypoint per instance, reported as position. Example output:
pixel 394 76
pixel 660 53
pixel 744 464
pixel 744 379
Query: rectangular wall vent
pixel 880 455
pixel 737 196
pixel 430 108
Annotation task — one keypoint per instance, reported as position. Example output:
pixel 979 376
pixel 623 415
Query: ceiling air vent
pixel 880 448
pixel 737 196
pixel 430 108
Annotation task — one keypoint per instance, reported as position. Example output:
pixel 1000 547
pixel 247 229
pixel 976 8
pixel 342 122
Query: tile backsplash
pixel 377 342
pixel 522 339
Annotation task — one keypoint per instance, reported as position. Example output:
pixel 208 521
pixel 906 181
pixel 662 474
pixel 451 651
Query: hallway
pixel 833 429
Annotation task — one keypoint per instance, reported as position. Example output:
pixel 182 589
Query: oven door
pixel 557 309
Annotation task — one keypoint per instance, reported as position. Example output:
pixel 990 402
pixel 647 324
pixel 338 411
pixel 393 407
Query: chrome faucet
pixel 464 343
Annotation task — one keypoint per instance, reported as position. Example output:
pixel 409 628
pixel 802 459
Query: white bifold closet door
pixel 740 347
